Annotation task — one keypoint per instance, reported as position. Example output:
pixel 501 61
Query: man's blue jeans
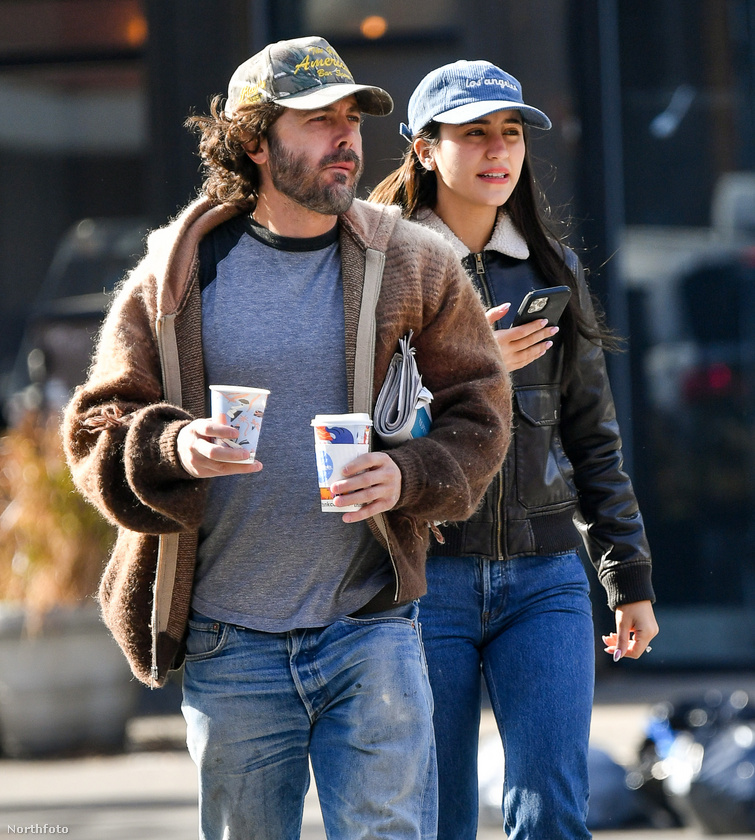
pixel 527 623
pixel 353 697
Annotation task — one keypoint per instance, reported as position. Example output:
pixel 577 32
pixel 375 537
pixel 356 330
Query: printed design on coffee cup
pixel 331 459
pixel 339 434
pixel 324 470
pixel 242 408
pixel 239 416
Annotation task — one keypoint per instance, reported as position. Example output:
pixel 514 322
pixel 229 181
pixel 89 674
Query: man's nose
pixel 347 133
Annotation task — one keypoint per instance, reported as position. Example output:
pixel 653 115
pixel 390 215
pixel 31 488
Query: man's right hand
pixel 520 345
pixel 202 457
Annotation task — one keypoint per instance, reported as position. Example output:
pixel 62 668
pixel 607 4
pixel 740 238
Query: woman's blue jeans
pixel 527 623
pixel 353 697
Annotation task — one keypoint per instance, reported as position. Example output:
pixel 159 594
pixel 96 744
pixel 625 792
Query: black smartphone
pixel 543 303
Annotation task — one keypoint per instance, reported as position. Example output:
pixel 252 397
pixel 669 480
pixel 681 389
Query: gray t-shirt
pixel 272 317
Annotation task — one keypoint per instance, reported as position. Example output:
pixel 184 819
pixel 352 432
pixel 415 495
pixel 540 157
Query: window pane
pixel 379 18
pixel 40 26
pixel 64 108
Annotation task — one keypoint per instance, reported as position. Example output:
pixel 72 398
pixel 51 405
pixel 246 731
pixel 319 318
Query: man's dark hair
pixel 230 174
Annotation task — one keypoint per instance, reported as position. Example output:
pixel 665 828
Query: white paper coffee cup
pixel 242 408
pixel 339 439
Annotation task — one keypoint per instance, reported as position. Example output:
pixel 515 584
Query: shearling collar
pixel 506 239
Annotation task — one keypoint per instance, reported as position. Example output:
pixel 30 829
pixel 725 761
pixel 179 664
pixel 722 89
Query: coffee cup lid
pixel 358 419
pixel 243 388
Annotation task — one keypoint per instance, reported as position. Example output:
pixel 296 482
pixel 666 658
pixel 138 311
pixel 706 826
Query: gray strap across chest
pixel 364 363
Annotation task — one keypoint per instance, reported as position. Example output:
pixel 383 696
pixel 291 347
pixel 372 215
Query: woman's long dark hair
pixel 413 187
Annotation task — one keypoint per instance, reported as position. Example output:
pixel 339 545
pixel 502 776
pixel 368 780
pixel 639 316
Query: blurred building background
pixel 652 154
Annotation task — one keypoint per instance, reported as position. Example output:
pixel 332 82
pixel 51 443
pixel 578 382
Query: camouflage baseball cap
pixel 304 73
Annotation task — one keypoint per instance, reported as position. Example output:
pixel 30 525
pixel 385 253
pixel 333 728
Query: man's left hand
pixel 372 480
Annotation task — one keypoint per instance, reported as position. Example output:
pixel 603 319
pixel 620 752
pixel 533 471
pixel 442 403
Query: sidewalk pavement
pixel 150 790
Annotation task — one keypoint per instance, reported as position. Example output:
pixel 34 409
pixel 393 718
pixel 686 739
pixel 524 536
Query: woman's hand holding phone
pixel 521 345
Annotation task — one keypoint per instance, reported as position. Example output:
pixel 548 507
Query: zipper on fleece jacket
pixel 499 481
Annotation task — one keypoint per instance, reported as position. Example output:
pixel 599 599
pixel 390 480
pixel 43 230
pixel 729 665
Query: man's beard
pixel 296 178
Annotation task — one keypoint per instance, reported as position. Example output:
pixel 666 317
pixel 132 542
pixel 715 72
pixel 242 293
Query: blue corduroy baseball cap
pixel 464 91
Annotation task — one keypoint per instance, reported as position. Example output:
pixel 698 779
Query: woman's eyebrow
pixel 486 121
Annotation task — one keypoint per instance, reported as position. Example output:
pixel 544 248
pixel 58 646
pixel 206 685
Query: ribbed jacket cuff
pixel 628 583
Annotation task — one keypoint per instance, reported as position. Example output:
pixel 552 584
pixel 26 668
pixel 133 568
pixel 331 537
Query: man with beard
pixel 298 629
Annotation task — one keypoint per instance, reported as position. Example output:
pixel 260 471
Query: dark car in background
pixel 56 347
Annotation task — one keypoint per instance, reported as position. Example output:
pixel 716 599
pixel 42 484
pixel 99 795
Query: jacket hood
pixel 172 249
pixel 371 224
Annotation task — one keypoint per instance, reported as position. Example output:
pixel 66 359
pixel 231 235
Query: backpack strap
pixel 167 552
pixel 364 361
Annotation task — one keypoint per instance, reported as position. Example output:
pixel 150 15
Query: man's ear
pixel 259 154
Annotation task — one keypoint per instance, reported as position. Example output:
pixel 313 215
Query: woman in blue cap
pixel 507 591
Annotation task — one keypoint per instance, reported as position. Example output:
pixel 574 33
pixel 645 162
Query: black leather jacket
pixel 562 482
